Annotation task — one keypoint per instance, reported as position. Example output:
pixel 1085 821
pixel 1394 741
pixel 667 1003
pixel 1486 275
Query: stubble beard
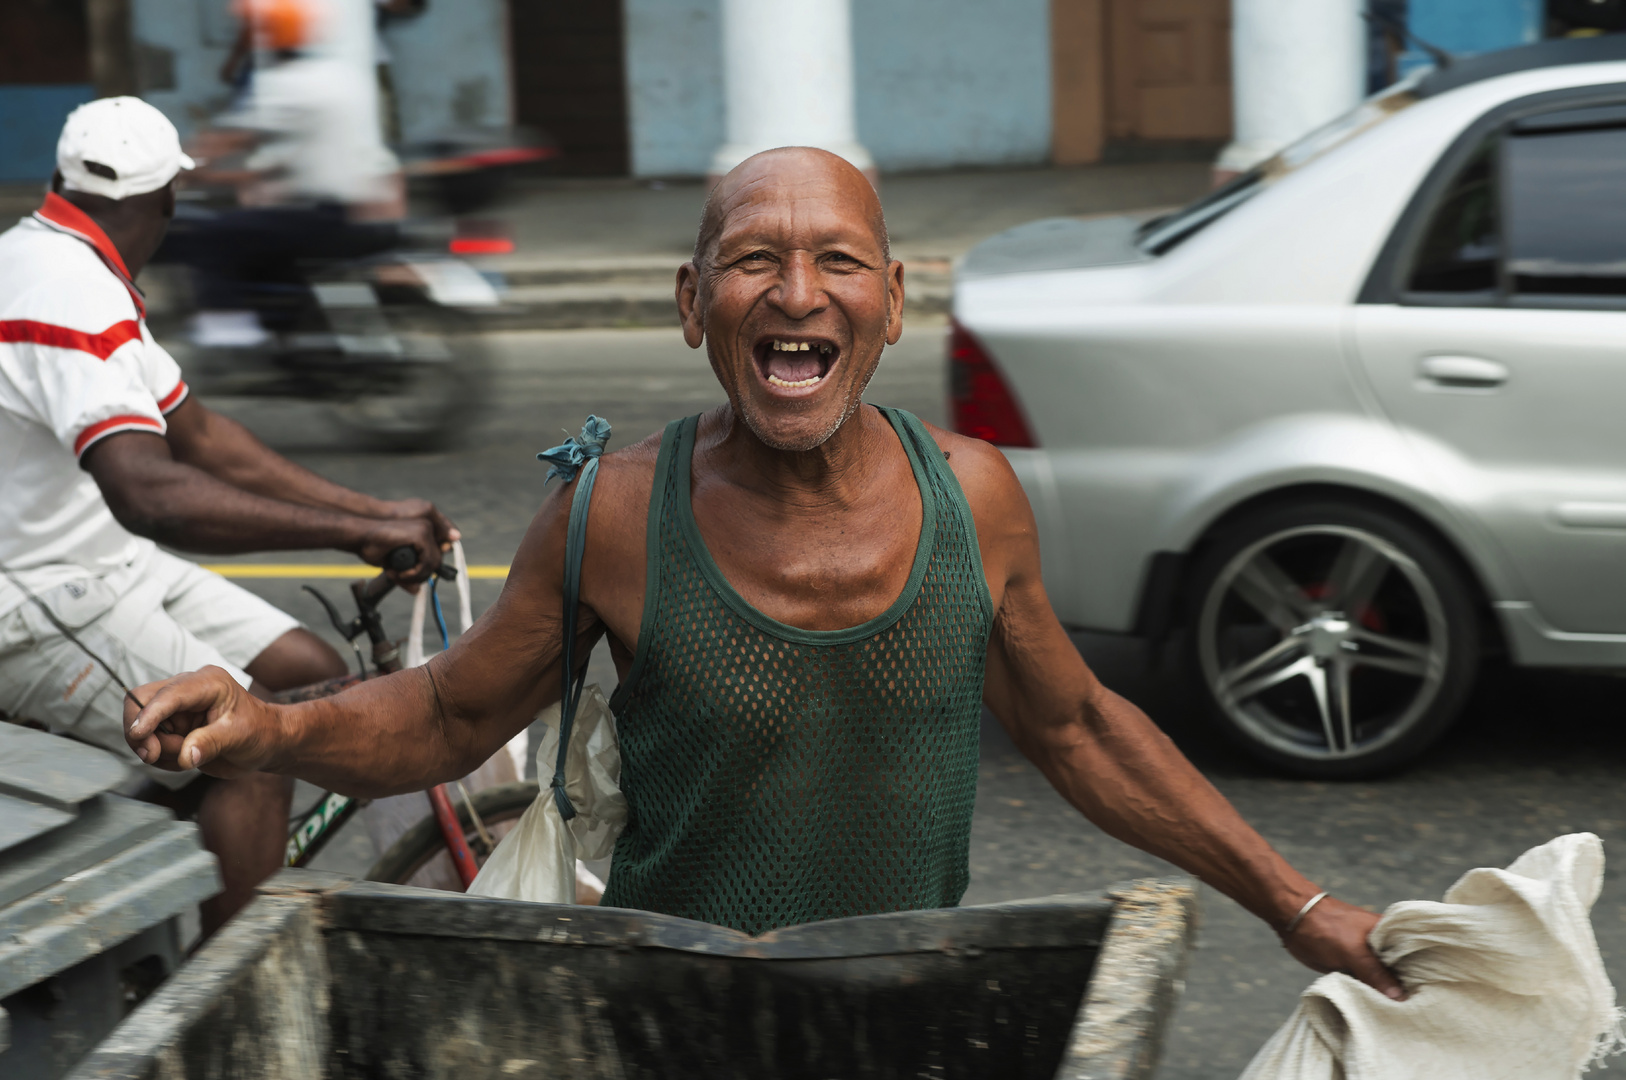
pixel 759 426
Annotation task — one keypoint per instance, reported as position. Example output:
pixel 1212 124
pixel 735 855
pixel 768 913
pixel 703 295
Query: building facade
pixel 640 87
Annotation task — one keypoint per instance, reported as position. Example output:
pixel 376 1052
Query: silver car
pixel 1350 420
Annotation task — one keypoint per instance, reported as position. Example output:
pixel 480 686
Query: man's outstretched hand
pixel 1333 937
pixel 202 720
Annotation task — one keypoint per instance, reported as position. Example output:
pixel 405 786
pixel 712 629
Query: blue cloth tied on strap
pixel 569 456
pixel 573 456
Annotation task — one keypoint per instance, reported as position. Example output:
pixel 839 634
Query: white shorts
pixel 154 618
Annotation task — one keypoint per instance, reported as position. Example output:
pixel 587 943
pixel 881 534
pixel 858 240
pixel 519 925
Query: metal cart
pixel 327 977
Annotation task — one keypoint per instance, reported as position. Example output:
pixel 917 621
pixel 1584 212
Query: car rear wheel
pixel 1332 639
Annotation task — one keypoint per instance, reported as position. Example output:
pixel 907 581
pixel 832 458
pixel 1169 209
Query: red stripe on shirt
pixel 59 211
pixel 173 398
pixel 109 426
pixel 63 215
pixel 101 346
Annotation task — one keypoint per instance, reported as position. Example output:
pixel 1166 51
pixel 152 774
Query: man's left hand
pixel 1333 937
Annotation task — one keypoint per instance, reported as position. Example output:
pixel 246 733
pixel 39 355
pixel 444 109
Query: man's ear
pixel 169 200
pixel 688 302
pixel 894 301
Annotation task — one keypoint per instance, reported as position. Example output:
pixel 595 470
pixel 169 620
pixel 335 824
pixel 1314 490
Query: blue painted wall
pixel 1463 27
pixel 451 62
pixel 939 82
pixel 30 122
pixel 180 45
pixel 952 82
pixel 674 85
pixel 451 67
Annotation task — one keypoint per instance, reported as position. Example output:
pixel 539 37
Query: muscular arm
pixel 154 495
pixel 1111 762
pixel 228 451
pixel 400 733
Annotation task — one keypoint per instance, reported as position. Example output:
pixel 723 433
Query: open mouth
pixel 795 363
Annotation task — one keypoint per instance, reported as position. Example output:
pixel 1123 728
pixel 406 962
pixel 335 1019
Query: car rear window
pixel 1163 234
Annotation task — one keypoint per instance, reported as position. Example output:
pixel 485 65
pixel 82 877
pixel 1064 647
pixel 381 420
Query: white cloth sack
pixel 1504 980
pixel 536 861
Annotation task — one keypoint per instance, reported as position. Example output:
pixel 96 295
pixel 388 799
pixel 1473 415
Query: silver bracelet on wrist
pixel 1293 923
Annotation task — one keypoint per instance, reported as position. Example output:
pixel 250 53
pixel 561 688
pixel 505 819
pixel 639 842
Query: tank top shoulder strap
pixel 671 482
pixel 933 468
pixel 917 440
pixel 660 494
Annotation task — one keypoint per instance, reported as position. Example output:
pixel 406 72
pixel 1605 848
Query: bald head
pixel 788 165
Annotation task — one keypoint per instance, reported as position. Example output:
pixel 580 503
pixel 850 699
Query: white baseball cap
pixel 118 147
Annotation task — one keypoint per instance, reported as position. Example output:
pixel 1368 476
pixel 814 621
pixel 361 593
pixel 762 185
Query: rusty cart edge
pixel 272 954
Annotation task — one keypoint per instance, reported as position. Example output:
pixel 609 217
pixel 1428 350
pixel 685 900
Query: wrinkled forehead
pixel 801 207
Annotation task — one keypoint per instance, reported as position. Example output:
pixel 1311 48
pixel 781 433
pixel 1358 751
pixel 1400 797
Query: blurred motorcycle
pixel 380 321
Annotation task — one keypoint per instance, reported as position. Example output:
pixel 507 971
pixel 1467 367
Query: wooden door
pixel 570 80
pixel 1170 70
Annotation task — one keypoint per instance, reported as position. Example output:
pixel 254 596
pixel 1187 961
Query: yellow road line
pixel 327 570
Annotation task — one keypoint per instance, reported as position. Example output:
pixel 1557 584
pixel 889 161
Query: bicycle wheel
pixel 420 858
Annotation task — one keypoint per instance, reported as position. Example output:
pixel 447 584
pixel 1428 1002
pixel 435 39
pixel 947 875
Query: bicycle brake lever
pixel 347 632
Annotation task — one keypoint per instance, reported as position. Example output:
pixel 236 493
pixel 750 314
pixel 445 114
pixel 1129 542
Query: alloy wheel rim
pixel 1323 642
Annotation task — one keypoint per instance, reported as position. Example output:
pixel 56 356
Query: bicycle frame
pixel 318 826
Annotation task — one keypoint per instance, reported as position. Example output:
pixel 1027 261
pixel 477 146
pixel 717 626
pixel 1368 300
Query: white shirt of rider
pixel 77 365
pixel 322 140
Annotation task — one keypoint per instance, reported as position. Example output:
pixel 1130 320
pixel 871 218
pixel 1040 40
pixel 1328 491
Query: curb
pixel 613 293
pixel 636 291
pixel 570 307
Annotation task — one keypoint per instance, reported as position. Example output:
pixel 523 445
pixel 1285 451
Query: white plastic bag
pixel 536 861
pixel 415 655
pixel 518 746
pixel 1504 978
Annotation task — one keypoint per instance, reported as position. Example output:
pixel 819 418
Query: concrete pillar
pixel 112 56
pixel 788 80
pixel 1295 64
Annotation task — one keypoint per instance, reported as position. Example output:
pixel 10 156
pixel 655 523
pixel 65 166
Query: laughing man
pixel 809 600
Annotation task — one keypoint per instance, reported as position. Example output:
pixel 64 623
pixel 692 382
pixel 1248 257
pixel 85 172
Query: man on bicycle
pixel 103 452
pixel 809 600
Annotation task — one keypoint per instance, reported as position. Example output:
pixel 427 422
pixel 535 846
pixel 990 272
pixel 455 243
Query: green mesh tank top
pixel 777 776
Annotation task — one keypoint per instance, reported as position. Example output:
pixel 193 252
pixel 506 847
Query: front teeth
pixel 797 346
pixel 777 381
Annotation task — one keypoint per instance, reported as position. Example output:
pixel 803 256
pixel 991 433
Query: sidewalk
pixel 603 252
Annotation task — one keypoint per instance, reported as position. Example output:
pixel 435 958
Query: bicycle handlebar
pixel 402 558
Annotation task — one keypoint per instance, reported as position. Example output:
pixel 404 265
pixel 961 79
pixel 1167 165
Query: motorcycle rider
pixel 106 453
pixel 314 180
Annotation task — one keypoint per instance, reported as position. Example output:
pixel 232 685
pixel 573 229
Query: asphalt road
pixel 1534 756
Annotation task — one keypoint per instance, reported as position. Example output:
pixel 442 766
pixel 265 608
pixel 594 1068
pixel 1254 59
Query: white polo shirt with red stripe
pixel 77 364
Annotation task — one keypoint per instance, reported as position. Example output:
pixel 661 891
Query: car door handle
pixel 1462 372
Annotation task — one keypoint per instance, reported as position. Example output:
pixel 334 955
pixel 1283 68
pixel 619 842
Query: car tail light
pixel 481 245
pixel 982 402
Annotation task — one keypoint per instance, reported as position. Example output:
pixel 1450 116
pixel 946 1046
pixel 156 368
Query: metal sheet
pixel 53 770
pixel 22 820
pixel 96 908
pixel 106 825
